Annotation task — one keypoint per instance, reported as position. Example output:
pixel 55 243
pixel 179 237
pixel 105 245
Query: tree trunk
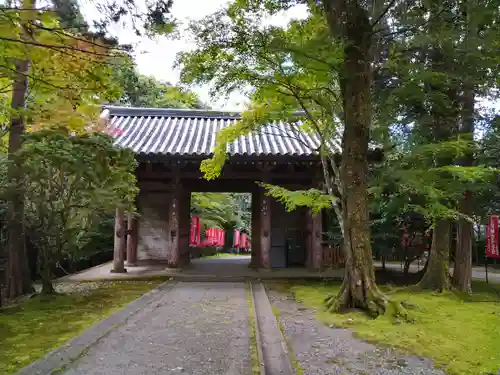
pixel 349 20
pixel 437 273
pixel 462 273
pixel 18 276
pixel 444 126
pixel 47 286
pixel 406 269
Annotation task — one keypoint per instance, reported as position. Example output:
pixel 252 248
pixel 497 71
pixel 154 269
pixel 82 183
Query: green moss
pixel 30 330
pixel 461 334
pixel 254 353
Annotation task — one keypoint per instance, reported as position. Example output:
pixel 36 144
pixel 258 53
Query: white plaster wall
pixel 153 229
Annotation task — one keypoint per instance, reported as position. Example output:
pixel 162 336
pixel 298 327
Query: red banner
pixel 212 236
pixel 236 242
pixel 222 236
pixel 243 241
pixel 492 238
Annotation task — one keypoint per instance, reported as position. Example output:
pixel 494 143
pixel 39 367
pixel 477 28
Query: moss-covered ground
pixel 460 333
pixel 31 329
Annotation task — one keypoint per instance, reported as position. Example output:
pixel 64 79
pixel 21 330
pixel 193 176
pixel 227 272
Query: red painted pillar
pixel 120 242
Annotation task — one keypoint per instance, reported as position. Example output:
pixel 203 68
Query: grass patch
pixel 30 330
pixel 461 334
pixel 254 354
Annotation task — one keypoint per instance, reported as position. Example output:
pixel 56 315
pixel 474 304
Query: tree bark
pixel 18 271
pixel 462 272
pixel 18 276
pixel 444 126
pixel 348 19
pixel 437 273
pixel 47 286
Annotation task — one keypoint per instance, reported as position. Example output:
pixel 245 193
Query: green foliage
pixel 222 210
pixel 69 74
pixel 418 183
pixel 421 102
pixel 70 182
pixel 313 198
pixel 289 69
pixel 144 91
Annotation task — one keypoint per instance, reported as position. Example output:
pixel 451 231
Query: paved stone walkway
pixel 194 328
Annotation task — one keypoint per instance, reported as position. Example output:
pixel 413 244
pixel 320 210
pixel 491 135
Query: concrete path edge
pixel 59 358
pixel 260 354
pixel 274 348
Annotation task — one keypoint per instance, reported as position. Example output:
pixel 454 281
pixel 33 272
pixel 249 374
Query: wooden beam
pixel 222 185
pixel 229 175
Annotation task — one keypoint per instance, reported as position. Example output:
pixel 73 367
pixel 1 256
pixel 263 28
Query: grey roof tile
pixel 155 131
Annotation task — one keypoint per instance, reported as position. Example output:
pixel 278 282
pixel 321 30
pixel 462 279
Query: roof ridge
pixel 176 112
pixel 171 112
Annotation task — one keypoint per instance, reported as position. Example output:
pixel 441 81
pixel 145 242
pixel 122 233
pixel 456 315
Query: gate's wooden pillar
pixel 120 242
pixel 173 257
pixel 132 240
pixel 265 230
pixel 184 226
pixel 255 260
pixel 315 250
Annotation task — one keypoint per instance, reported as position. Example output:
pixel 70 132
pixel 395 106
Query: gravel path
pixel 321 350
pixel 194 328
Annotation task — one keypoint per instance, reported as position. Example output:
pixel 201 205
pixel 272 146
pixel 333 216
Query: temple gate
pixel 170 145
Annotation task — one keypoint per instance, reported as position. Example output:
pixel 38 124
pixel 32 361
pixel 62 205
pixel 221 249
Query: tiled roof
pixel 153 131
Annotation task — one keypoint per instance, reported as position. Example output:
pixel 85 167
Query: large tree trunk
pixel 437 274
pixel 349 20
pixel 444 126
pixel 462 273
pixel 46 273
pixel 18 276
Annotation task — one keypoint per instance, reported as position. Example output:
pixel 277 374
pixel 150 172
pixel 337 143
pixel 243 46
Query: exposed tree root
pixel 435 282
pixel 372 301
